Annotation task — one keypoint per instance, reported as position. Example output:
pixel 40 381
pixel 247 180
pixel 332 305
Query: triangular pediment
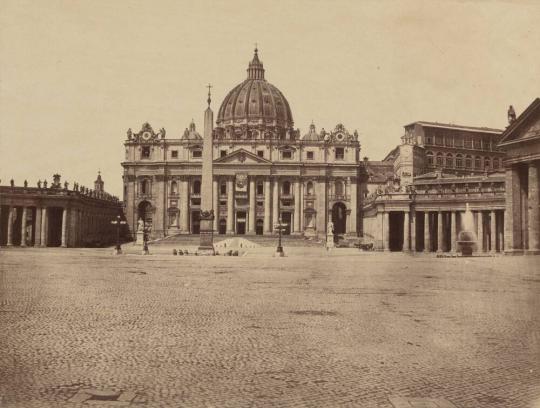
pixel 525 127
pixel 242 156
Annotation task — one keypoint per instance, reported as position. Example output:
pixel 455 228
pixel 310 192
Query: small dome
pixel 312 135
pixel 191 133
pixel 255 101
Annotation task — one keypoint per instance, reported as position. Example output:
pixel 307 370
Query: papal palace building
pixel 265 171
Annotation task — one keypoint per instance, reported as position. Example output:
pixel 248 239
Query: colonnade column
pixel 453 231
pixel 184 206
pixel 267 207
pixel 427 238
pixel 230 206
pixel 10 226
pixel 493 232
pixel 275 202
pixel 251 217
pixel 23 228
pixel 413 231
pixel 64 227
pixel 439 231
pixel 406 232
pixel 37 223
pixel 533 210
pixel 386 231
pixel 215 206
pixel 43 240
pixel 480 235
pixel 512 236
pixel 297 206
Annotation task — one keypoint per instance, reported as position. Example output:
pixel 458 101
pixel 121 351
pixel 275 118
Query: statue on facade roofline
pixel 129 134
pixel 12 183
pixel 66 184
pixel 44 183
pixel 39 183
pixel 25 183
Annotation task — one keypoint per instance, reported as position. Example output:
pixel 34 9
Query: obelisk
pixel 206 246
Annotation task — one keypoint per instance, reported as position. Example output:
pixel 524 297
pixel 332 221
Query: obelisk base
pixel 206 246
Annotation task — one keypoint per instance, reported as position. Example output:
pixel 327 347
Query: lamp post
pixel 118 222
pixel 279 227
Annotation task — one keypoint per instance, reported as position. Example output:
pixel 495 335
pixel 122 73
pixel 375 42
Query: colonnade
pixel 522 225
pixel 438 231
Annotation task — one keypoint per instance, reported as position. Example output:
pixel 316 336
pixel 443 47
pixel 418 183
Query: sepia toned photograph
pixel 243 203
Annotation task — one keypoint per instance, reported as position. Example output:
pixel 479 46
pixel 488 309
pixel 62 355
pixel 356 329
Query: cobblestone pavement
pixel 81 328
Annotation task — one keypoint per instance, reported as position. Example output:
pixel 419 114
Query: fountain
pixel 466 237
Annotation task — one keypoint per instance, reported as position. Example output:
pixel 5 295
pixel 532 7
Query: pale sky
pixel 75 75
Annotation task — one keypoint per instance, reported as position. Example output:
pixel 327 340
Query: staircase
pixel 261 240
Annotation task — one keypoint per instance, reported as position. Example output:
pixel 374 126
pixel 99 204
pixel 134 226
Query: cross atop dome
pixel 255 69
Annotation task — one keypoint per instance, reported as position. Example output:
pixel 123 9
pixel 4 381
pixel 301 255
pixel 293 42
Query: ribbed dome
pixel 255 101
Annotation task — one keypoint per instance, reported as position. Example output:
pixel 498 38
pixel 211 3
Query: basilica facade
pixel 265 171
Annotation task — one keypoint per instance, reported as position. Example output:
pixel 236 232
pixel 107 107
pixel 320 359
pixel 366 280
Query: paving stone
pixel 301 331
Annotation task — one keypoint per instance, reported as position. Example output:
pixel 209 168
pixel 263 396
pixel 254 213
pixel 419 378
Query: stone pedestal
pixel 139 239
pixel 206 246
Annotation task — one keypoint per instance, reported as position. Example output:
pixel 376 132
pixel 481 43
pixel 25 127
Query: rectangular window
pixel 174 154
pixel 223 189
pixel 145 153
pixel 286 154
pixel 260 189
pixel 309 155
pixel 222 153
pixel 260 153
pixel 197 154
pixel 340 153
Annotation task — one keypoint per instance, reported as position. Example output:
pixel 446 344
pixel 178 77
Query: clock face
pixel 339 136
pixel 146 135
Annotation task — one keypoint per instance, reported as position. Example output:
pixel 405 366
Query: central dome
pixel 255 102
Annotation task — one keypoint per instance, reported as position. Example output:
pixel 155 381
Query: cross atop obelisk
pixel 206 246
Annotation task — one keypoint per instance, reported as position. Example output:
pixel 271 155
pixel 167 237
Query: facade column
pixel 297 206
pixel 267 207
pixel 23 228
pixel 440 235
pixel 453 232
pixel 10 226
pixel 427 237
pixel 406 232
pixel 379 243
pixel 215 205
pixel 184 206
pixel 302 216
pixel 43 240
pixel 501 230
pixel 413 230
pixel 252 209
pixel 386 231
pixel 230 206
pixel 354 209
pixel 64 227
pixel 275 202
pixel 533 209
pixel 493 232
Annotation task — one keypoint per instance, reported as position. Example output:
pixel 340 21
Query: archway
pixel 145 213
pixel 222 226
pixel 339 218
pixel 259 227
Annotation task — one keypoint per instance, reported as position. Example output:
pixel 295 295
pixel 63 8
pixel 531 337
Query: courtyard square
pixel 83 328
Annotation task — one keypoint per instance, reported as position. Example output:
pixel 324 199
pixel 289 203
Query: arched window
pixel 309 188
pixel 439 159
pixel 338 188
pixel 459 161
pixel 477 162
pixel 449 160
pixel 145 187
pixel 487 163
pixel 429 156
pixel 174 188
pixel 286 188
pixel 468 162
pixel 197 187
